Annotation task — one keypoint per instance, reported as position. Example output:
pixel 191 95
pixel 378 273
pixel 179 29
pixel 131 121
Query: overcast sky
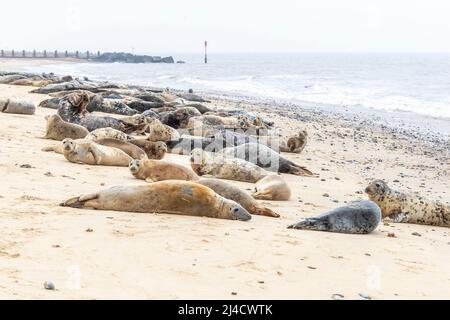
pixel 181 26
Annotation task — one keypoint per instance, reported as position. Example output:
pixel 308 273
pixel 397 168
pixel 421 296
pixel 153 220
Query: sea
pixel 400 83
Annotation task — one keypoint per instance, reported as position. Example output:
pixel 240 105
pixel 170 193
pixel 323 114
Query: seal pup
pixel 58 129
pixel 204 163
pixel 231 192
pixel 108 133
pixel 154 150
pixel 89 152
pixel 130 149
pixel 161 132
pixel 407 207
pixel 272 187
pixel 266 158
pixel 358 217
pixel 158 170
pixel 171 197
pixel 17 106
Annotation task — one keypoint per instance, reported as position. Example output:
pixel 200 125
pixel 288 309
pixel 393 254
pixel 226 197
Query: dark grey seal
pixel 358 217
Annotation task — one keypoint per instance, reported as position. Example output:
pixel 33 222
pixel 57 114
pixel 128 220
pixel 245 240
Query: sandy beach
pixel 91 254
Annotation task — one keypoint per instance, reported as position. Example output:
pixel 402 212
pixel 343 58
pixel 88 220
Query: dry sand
pixel 160 256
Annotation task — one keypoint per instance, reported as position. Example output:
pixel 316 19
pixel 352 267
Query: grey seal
pixel 358 217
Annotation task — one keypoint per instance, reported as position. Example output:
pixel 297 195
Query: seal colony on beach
pixel 232 145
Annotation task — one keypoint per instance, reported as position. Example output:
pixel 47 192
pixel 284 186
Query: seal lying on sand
pixel 154 150
pixel 158 170
pixel 231 192
pixel 16 106
pixel 272 188
pixel 88 152
pixel 52 103
pixel 108 133
pixel 359 217
pixel 408 208
pixel 58 129
pixel 204 163
pixel 266 158
pixel 172 197
pixel 130 149
pixel 161 132
pixel 72 109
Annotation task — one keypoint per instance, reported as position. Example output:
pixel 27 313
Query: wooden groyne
pixel 55 54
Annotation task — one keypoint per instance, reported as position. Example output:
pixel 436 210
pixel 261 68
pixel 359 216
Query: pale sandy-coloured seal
pixel 217 166
pixel 408 207
pixel 358 217
pixel 89 152
pixel 108 133
pixel 159 170
pixel 16 106
pixel 172 197
pixel 161 132
pixel 130 149
pixel 58 129
pixel 266 158
pixel 272 187
pixel 231 192
pixel 154 150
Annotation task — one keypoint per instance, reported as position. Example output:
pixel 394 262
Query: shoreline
pixel 431 127
pixel 157 256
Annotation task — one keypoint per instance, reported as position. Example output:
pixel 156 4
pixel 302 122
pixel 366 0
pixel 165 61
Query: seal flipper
pixel 300 171
pixel 262 195
pixel 319 224
pixel 79 202
pixel 263 211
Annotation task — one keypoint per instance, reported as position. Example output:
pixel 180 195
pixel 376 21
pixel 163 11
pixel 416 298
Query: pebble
pixel 391 235
pixel 312 268
pixel 89 230
pixel 48 285
pixel 26 166
pixel 365 296
pixel 326 195
pixel 234 293
pixel 416 234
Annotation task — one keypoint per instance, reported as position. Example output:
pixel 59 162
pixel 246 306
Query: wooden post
pixel 23 53
pixel 56 53
pixel 34 53
pixel 77 54
pixel 3 53
pixel 98 53
pixel 206 52
pixel 13 53
pixel 45 53
pixel 87 55
pixel 66 54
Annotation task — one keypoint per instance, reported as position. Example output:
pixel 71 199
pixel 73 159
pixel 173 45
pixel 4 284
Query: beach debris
pixel 326 195
pixel 337 296
pixel 26 166
pixel 48 285
pixel 234 293
pixel 89 230
pixel 416 234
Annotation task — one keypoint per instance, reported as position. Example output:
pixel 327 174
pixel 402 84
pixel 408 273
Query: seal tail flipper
pixel 79 202
pixel 311 224
pixel 263 211
pixel 300 171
